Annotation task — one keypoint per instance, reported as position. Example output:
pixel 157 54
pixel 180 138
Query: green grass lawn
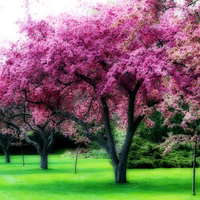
pixel 94 180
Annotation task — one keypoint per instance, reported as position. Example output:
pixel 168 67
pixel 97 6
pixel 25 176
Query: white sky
pixel 14 10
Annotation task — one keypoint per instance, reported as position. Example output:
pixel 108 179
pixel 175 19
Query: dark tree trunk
pixel 23 163
pixel 119 164
pixel 6 147
pixel 7 156
pixel 120 173
pixel 44 161
pixel 43 150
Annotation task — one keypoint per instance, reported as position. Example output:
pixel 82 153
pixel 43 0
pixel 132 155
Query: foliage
pixel 88 69
pixel 155 133
pixel 144 154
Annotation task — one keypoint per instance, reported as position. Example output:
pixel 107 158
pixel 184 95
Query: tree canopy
pixel 117 63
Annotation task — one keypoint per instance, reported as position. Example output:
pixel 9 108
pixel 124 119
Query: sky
pixel 12 11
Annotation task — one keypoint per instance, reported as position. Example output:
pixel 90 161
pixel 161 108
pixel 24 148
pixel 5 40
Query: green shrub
pixel 144 154
pixel 145 162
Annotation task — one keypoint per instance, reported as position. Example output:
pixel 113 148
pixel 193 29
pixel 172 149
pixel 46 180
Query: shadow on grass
pixel 59 168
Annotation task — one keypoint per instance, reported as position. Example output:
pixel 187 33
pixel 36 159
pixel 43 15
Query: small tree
pixel 184 56
pixel 43 142
pixel 43 130
pixel 190 123
pixel 7 136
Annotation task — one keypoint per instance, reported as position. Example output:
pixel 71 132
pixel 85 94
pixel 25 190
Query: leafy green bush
pixel 144 154
pixel 145 162
pixel 156 133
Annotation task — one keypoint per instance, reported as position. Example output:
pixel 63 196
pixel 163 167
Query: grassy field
pixel 94 180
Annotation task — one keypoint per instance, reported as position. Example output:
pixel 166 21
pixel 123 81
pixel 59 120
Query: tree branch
pixel 131 105
pixel 36 102
pixel 31 142
pixel 85 129
pixel 192 3
pixel 112 150
pixel 86 79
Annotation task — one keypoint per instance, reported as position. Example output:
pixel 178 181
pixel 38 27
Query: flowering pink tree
pixel 110 65
pixel 185 56
pixel 127 80
pixel 39 134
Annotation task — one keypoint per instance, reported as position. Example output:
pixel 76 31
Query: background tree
pixel 153 129
pixel 43 131
pixel 189 123
pixel 185 84
pixel 7 136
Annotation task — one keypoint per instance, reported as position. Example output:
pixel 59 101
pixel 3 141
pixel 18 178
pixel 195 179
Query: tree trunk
pixel 120 173
pixel 44 161
pixel 22 154
pixel 76 157
pixel 194 166
pixel 7 156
